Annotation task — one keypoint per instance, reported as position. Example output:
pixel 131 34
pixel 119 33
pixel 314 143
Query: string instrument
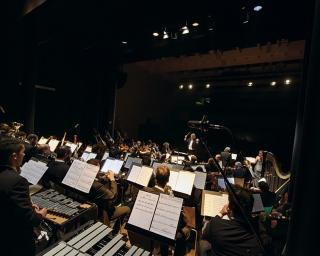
pixel 63 139
pixel 124 148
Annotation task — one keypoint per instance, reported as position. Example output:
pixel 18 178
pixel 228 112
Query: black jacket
pixel 17 218
pixel 56 172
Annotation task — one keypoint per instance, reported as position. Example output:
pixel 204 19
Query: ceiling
pixel 103 25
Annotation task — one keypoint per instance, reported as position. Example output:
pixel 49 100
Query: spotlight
pixel 208 86
pixel 124 42
pixel 165 34
pixel 273 83
pixel 190 86
pixel 257 8
pixel 181 86
pixel 185 30
pixel 195 24
pixel 287 81
pixel 155 34
pixel 250 84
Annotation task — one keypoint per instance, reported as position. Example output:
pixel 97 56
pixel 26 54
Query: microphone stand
pixel 228 185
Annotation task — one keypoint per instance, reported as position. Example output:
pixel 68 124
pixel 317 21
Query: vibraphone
pixel 96 239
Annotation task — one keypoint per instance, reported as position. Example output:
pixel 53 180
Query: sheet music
pixel 166 216
pixel 81 176
pixel 222 184
pixel 113 165
pixel 88 149
pixel 234 156
pixel 105 156
pixel 53 143
pixel 185 182
pixel 173 179
pixel 134 173
pixel 33 171
pixel 212 203
pixel 43 140
pixel 144 176
pixel 257 203
pixel 143 210
pixel 131 160
pixel 72 146
pixel 85 155
pixel 194 167
pixel 252 160
pixel 200 180
pixel 91 156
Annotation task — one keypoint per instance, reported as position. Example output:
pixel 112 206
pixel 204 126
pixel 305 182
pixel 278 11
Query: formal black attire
pixel 194 147
pixel 230 238
pixel 225 158
pixel 56 172
pixel 17 217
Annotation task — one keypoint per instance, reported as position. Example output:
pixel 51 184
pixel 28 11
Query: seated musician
pixel 104 192
pixel 241 171
pixel 231 236
pixel 18 216
pixel 268 197
pixel 58 168
pixel 183 231
pixel 31 147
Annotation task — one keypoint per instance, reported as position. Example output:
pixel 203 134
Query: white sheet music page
pixel 200 180
pixel 43 140
pixel 53 144
pixel 173 179
pixel 91 156
pixel 134 173
pixel 107 165
pixel 143 210
pixel 144 176
pixel 116 166
pixel 81 176
pixel 212 203
pixel 185 182
pixel 33 171
pixel 166 217
pixel 72 146
pixel 234 156
pixel 85 156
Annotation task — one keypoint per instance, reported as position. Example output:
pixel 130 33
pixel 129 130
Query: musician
pixel 226 157
pixel 162 178
pixel 17 216
pixel 192 144
pixel 31 147
pixel 257 169
pixel 231 236
pixel 268 197
pixel 58 168
pixel 241 171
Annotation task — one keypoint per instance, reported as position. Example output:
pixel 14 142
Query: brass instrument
pixel 277 179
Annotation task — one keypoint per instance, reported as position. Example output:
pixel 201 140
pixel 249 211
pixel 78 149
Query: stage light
pixel 257 8
pixel 155 34
pixel 190 86
pixel 185 30
pixel 165 34
pixel 124 42
pixel 181 86
pixel 287 81
pixel 208 86
pixel 273 83
pixel 195 24
pixel 250 84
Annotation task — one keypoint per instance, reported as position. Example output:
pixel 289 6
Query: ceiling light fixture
pixel 208 86
pixel 185 29
pixel 257 8
pixel 190 86
pixel 287 81
pixel 250 84
pixel 124 42
pixel 165 34
pixel 155 34
pixel 181 86
pixel 195 24
pixel 273 83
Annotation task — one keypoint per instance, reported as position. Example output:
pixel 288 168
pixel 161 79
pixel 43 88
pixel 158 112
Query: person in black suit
pixel 232 236
pixel 58 168
pixel 18 215
pixel 30 147
pixel 192 144
pixel 226 157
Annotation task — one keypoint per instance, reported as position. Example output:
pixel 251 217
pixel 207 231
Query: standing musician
pixel 18 215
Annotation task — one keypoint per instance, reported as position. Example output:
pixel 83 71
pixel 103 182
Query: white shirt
pixel 190 145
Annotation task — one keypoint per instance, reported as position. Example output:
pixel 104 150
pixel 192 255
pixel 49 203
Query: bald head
pixel 162 175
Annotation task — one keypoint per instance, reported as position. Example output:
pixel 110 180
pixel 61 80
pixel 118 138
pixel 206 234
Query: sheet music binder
pixel 33 170
pixel 112 164
pixel 181 181
pixel 161 214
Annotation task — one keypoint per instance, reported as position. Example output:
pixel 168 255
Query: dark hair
pixel 32 137
pixel 7 148
pixel 263 186
pixel 162 175
pixel 63 151
pixel 245 199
